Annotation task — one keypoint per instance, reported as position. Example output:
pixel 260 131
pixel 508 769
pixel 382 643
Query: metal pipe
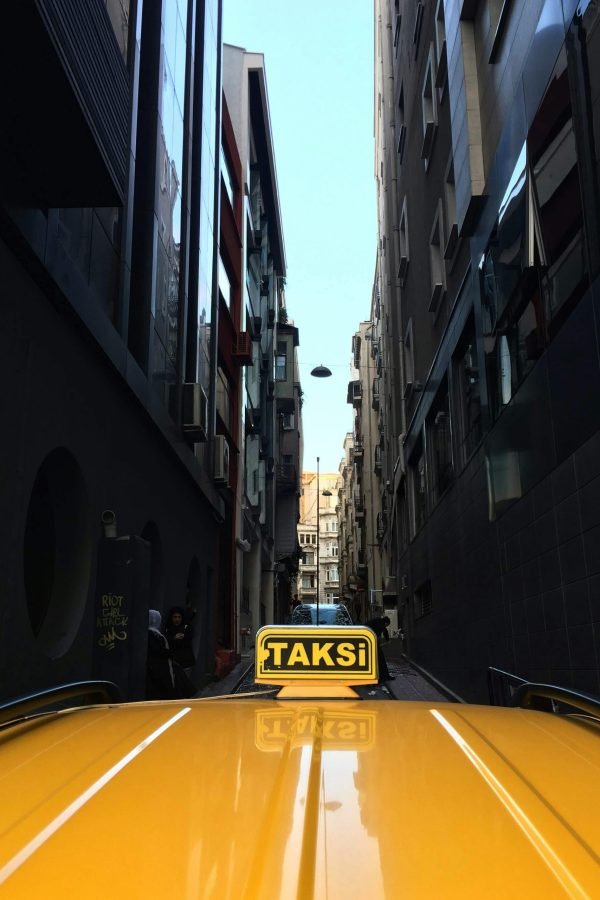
pixel 318 538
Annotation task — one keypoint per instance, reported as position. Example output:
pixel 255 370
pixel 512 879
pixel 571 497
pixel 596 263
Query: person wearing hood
pixel 179 634
pixel 160 677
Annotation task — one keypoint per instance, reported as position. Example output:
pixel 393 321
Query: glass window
pixel 224 283
pixel 557 215
pixel 227 177
pixel 281 361
pixel 468 399
pixel 419 486
pixel 224 398
pixel 534 269
pixel 439 438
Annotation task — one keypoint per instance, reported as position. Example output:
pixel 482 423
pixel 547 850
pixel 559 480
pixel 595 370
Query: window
pixel 450 213
pixel 224 397
pixel 466 393
pixel 409 365
pixel 308 582
pixel 224 283
pixel 429 108
pixel 440 47
pixel 404 248
pixel 227 178
pixel 401 126
pixel 332 573
pixel 402 515
pixel 498 13
pixel 418 25
pixel 419 487
pixel 281 361
pixel 423 600
pixel 439 440
pixel 308 558
pixel 436 262
pixel 397 27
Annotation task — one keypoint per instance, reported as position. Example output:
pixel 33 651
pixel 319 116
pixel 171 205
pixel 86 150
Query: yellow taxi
pixel 314 794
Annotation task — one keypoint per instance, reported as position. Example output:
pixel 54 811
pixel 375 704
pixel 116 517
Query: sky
pixel 319 66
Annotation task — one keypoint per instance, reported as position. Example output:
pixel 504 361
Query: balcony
pixel 381 525
pixel 354 394
pixel 378 460
pixel 358 450
pixel 375 397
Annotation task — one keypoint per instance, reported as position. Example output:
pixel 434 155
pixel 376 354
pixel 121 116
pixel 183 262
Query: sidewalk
pixel 228 684
pixel 408 684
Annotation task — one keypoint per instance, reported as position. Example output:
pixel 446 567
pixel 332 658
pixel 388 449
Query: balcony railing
pixel 381 525
pixel 378 460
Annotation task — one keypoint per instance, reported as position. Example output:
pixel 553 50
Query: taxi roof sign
pixel 317 654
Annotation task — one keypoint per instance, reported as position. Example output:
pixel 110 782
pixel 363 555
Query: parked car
pixel 329 614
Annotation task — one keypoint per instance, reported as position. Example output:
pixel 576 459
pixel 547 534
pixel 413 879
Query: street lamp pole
pixel 318 538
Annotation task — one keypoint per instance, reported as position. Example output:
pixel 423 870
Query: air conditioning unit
pixel 194 412
pixel 221 460
pixel 243 348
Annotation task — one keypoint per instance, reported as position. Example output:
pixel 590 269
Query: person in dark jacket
pixel 160 677
pixel 380 626
pixel 179 635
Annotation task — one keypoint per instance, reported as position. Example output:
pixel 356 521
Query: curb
pixel 243 675
pixel 438 685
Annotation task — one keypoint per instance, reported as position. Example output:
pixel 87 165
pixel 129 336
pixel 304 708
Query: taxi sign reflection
pixel 348 729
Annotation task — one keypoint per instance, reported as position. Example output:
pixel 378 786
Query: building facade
pixel 270 448
pixel 487 155
pixel 318 539
pixel 108 236
pixel 155 434
pixel 364 498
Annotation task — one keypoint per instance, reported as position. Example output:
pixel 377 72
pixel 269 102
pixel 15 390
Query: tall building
pixel 115 491
pixel 318 539
pixel 270 441
pixel 487 151
pixel 364 500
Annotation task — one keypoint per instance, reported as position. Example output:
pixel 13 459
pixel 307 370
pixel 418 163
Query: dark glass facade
pixel 108 232
pixel 503 443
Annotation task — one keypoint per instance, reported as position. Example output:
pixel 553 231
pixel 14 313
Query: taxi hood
pixel 268 799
